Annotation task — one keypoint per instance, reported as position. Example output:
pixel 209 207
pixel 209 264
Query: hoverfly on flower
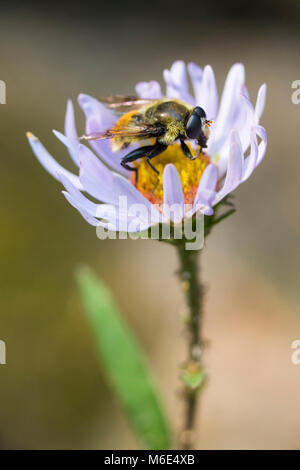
pixel 165 120
pixel 236 146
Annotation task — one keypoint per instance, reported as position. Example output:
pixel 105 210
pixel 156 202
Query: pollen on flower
pixel 190 172
pixel 30 135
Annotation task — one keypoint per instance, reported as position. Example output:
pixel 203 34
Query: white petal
pixel 207 93
pixel 229 111
pixel 148 90
pixel 177 83
pixel 98 119
pixel 95 177
pixel 206 192
pixel 260 103
pixel 246 119
pixel 234 168
pixel 71 132
pixel 243 122
pixel 91 220
pixel 173 193
pixel 196 74
pixel 48 162
pixel 250 161
pixel 261 132
pixel 71 144
pixel 98 116
pixel 207 185
pixel 122 187
pixel 104 211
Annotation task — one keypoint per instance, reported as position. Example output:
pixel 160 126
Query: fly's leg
pixel 130 168
pixel 186 151
pixel 156 171
pixel 156 150
pixel 148 152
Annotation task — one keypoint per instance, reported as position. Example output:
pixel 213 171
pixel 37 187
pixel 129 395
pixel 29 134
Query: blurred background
pixel 53 393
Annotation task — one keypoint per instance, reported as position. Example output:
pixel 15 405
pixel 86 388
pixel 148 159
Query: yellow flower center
pixel 190 172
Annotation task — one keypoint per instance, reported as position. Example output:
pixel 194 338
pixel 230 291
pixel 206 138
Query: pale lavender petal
pixel 71 132
pixel 243 121
pixel 172 188
pixel 234 168
pixel 98 119
pixel 206 192
pixel 71 144
pixel 112 218
pixel 139 211
pixel 95 177
pixel 243 124
pixel 209 178
pixel 230 103
pixel 260 103
pixel 177 83
pixel 112 159
pixel 106 186
pixel 207 185
pixel 205 197
pixel 246 119
pixel 104 211
pixel 207 210
pixel 250 161
pixel 88 218
pixel 262 147
pixel 98 116
pixel 196 74
pixel 49 163
pixel 173 193
pixel 148 90
pixel 122 187
pixel 204 205
pixel 178 74
pixel 207 94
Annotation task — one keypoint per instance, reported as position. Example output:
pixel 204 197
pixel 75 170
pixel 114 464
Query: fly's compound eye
pixel 194 124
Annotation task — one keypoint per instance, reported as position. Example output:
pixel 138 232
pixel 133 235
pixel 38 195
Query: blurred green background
pixel 52 391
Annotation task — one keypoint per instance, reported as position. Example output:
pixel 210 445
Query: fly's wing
pixel 124 103
pixel 141 130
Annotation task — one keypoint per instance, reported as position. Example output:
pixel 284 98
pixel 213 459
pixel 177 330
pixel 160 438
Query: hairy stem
pixel 192 373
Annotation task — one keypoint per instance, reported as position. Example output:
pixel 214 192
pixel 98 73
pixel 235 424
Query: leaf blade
pixel 124 362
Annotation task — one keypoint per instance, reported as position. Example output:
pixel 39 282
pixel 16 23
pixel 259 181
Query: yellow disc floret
pixel 190 172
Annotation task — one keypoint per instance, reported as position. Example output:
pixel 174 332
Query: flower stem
pixel 192 372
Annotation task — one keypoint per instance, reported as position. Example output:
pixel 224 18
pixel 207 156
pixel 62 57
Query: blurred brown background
pixel 52 391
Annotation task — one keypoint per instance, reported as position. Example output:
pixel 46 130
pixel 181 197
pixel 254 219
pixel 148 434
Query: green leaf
pixel 124 362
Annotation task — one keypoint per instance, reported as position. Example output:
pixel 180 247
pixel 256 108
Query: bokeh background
pixel 53 393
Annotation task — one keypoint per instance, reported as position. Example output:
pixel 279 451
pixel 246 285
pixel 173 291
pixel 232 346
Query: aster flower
pixel 232 154
pixel 236 146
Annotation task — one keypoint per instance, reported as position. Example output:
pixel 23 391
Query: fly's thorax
pixel 166 111
pixel 174 129
pixel 172 115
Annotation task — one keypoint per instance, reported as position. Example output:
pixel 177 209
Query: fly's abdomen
pixel 127 120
